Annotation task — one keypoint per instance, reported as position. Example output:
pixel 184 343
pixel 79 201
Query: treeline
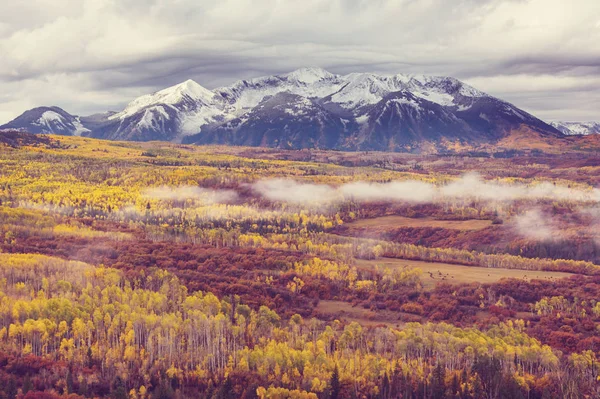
pixel 493 240
pixel 347 248
pixel 315 241
pixel 370 249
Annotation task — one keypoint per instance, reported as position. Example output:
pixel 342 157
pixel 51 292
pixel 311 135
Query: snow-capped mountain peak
pixel 188 91
pixel 49 120
pixel 362 89
pixel 307 82
pixel 308 75
pixel 192 89
pixel 368 88
pixel 577 128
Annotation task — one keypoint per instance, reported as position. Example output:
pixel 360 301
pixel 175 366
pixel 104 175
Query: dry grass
pixel 396 222
pixel 434 273
pixel 344 311
pixel 524 138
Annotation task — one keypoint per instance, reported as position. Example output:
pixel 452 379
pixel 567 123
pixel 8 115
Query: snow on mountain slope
pixel 53 120
pixel 309 75
pixel 363 89
pixel 192 122
pixel 188 92
pixel 79 128
pixel 50 120
pixel 306 107
pixel 367 88
pixel 305 82
pixel 153 114
pixel 349 92
pixel 170 114
pixel 283 120
pixel 577 128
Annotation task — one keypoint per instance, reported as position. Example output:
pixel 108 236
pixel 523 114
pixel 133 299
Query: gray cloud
pixel 92 55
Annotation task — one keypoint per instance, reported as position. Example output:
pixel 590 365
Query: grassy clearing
pixel 397 222
pixel 345 311
pixel 434 273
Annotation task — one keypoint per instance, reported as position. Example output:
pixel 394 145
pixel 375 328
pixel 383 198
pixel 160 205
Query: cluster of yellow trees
pixel 559 305
pixel 330 270
pixel 74 312
pixel 383 280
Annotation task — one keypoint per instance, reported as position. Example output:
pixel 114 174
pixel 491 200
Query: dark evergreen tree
pixel 385 387
pixel 164 390
pixel 334 384
pixel 478 389
pixel 409 389
pixel 250 392
pixel 83 388
pixel 119 390
pixel 438 386
pixel 209 392
pixel 489 370
pixel 90 359
pixel 510 389
pixel 454 387
pixel 226 390
pixel 69 381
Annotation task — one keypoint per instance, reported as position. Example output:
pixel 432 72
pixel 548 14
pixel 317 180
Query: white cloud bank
pixel 92 55
pixel 468 187
pixel 536 226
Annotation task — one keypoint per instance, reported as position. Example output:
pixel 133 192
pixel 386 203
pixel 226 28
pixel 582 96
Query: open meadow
pixel 395 222
pixel 437 272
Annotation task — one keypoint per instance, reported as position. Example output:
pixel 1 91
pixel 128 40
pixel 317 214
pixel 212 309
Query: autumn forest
pixel 160 270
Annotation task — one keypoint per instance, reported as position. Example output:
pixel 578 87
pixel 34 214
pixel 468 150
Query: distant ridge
pixel 577 128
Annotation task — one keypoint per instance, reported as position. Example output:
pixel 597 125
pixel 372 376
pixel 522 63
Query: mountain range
pixel 577 128
pixel 307 108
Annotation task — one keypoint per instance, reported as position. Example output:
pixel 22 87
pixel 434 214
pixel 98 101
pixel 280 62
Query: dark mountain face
pixel 493 118
pixel 47 120
pixel 284 120
pixel 402 120
pixel 307 108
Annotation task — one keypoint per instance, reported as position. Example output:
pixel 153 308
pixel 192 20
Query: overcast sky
pixel 90 56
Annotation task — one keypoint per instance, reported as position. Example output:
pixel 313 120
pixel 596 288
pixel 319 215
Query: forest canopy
pixel 155 270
